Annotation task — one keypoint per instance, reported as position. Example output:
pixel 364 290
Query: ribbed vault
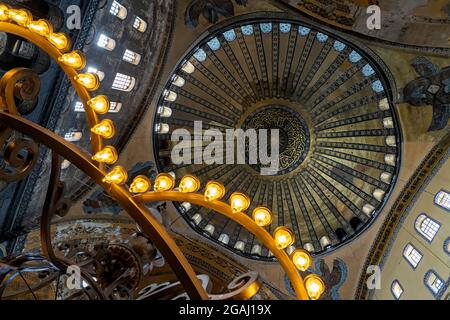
pixel 339 136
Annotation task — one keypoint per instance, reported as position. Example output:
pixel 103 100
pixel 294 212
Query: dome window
pixel 412 255
pixel 427 227
pixel 115 107
pixel 396 290
pixel 377 86
pixel 229 35
pixel 321 37
pixel 304 31
pixel 285 27
pixel 266 27
pixel 367 70
pixel 200 55
pixel 214 44
pixel 442 199
pixel 339 46
pixel 354 57
pixel 247 30
pixel 79 107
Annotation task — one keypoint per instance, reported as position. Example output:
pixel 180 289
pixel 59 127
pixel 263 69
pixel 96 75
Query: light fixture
pixel 74 59
pixel 214 191
pixel 314 286
pixel 41 27
pixel 20 16
pixel 262 216
pixel 107 155
pixel 118 175
pixel 302 259
pixel 105 128
pixel 4 12
pixel 100 104
pixel 60 41
pixel 189 183
pixel 164 182
pixel 283 237
pixel 88 80
pixel 239 202
pixel 140 184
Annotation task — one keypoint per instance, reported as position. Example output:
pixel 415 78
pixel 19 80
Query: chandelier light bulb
pixel 189 184
pixel 4 12
pixel 283 237
pixel 214 191
pixel 41 27
pixel 105 129
pixel 99 104
pixel 302 259
pixel 314 286
pixel 60 41
pixel 88 80
pixel 20 16
pixel 164 182
pixel 74 59
pixel 140 184
pixel 118 175
pixel 239 202
pixel 108 155
pixel 262 216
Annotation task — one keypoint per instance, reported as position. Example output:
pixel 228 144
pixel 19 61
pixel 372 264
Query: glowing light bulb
pixel 4 12
pixel 239 202
pixel 105 129
pixel 118 175
pixel 314 286
pixel 100 104
pixel 41 27
pixel 108 155
pixel 60 41
pixel 74 59
pixel 214 191
pixel 189 184
pixel 20 16
pixel 140 184
pixel 262 216
pixel 302 259
pixel 283 237
pixel 164 182
pixel 88 80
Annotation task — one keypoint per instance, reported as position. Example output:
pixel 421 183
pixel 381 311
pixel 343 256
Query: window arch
pixel 106 42
pixel 434 283
pixel 139 24
pixel 427 227
pixel 412 255
pixel 447 246
pixel 118 10
pixel 396 289
pixel 442 199
pixel 131 57
pixel 122 82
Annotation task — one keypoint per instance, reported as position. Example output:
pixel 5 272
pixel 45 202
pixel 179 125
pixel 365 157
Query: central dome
pixel 293 134
pixel 331 102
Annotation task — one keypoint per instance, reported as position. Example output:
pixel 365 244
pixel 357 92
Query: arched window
pixel 447 246
pixel 285 27
pixel 118 10
pixel 229 35
pixel 396 289
pixel 433 282
pixel 427 227
pixel 412 255
pixel 339 46
pixel 79 107
pixel 123 82
pixel 140 24
pixel 106 42
pixel 442 199
pixel 115 106
pixel 131 57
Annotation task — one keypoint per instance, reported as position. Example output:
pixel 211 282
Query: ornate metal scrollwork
pixel 19 154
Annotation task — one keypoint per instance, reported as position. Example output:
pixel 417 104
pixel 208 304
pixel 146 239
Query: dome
pixel 331 104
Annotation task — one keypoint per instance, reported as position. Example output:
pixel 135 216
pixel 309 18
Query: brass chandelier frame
pixel 12 85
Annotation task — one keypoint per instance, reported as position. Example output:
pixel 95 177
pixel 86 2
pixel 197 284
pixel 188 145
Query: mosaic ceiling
pixel 332 103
